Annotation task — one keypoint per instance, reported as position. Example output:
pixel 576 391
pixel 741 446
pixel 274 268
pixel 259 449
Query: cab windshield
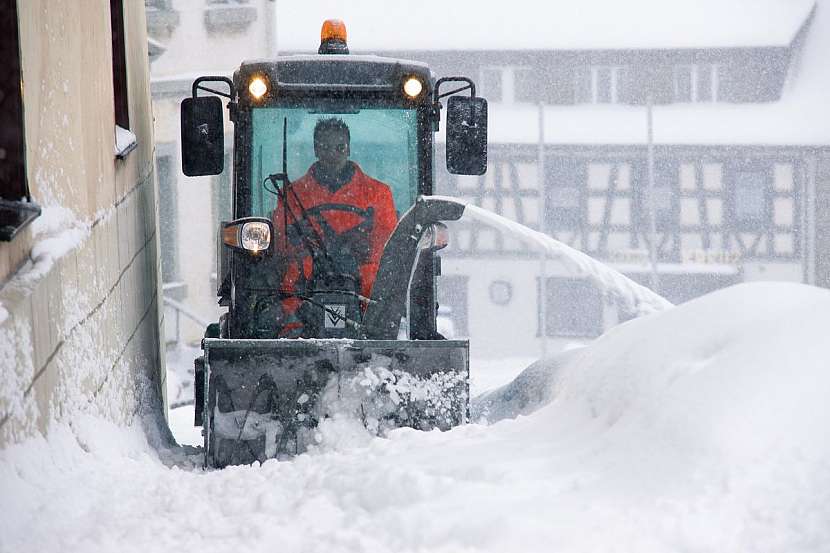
pixel 383 144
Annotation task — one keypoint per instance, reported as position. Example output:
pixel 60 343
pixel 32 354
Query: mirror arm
pixel 437 95
pixel 470 85
pixel 197 85
pixel 463 88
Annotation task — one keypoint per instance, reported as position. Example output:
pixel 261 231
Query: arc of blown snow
pixel 636 297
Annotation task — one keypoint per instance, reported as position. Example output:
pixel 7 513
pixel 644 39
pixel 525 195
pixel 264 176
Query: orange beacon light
pixel 333 37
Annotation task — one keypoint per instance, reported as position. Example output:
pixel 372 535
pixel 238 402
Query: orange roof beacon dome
pixel 333 29
pixel 333 37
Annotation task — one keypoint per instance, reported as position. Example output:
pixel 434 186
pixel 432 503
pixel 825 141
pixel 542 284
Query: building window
pixel 556 85
pixel 573 307
pixel 697 82
pixel 666 194
pixel 565 181
pixel 125 141
pixel 229 16
pixel 16 209
pixel 162 20
pixel 492 83
pixel 119 65
pixel 602 84
pixel 508 84
pixel 750 197
pixel 525 85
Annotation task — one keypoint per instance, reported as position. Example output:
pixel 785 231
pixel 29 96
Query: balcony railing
pixel 180 310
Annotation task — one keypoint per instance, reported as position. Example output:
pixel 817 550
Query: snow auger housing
pixel 260 395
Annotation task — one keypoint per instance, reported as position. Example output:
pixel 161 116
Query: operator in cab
pixel 330 226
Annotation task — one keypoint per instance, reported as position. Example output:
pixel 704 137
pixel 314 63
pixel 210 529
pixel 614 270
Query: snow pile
pixel 382 398
pixel 738 376
pixel 700 428
pixel 530 390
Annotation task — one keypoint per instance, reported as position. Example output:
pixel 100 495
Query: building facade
pixel 80 319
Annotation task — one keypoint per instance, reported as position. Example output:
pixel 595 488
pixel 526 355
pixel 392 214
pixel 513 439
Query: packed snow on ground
pixel 698 428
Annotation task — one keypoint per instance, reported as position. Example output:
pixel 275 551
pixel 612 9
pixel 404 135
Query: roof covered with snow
pixel 557 24
pixel 374 25
pixel 799 118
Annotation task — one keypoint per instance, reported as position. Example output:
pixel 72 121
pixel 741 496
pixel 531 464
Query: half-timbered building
pixel 723 104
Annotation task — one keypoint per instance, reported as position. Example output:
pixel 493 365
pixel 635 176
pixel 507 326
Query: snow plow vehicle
pixel 329 267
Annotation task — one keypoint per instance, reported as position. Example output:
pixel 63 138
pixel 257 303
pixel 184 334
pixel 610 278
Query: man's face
pixel 332 150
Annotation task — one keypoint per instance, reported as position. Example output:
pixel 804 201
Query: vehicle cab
pixel 392 109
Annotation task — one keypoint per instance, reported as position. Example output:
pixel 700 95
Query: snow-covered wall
pixel 79 306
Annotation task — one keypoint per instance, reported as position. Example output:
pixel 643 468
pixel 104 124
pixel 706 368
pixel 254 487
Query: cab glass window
pixel 384 144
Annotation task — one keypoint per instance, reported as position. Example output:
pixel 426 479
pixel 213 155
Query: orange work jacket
pixel 363 192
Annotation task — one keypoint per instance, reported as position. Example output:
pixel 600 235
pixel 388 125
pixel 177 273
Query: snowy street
pixel 701 428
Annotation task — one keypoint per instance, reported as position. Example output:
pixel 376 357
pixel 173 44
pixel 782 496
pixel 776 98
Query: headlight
pixel 258 87
pixel 255 236
pixel 413 87
pixel 252 234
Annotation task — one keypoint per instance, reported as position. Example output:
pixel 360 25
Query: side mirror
pixel 466 135
pixel 203 136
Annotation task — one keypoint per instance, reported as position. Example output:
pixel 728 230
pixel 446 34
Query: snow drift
pixel 700 428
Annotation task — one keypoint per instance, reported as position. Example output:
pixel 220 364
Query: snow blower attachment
pixel 266 397
pixel 329 267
